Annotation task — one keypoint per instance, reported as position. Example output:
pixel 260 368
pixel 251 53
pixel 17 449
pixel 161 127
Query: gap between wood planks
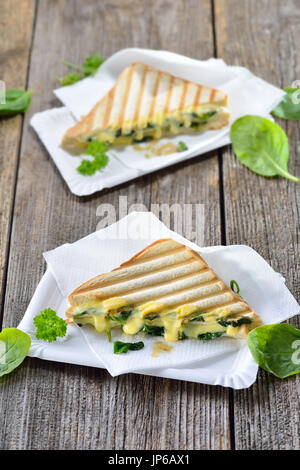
pixel 223 230
pixel 4 281
pixel 221 198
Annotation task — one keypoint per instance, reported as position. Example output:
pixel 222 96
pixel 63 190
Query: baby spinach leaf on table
pixel 276 348
pixel 14 347
pixel 49 326
pixel 16 101
pixel 120 347
pixel 261 145
pixel 289 107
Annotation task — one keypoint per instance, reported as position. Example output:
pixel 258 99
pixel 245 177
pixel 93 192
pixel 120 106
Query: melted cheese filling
pixel 160 125
pixel 154 318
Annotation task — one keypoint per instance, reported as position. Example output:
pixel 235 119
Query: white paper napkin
pixel 247 93
pixel 224 361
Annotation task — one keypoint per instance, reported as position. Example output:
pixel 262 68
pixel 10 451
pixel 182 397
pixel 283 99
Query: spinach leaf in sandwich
pixel 153 330
pixel 239 322
pixel 122 317
pixel 209 336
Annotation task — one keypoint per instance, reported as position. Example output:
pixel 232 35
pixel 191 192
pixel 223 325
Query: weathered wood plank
pixel 75 407
pixel 264 214
pixel 16 23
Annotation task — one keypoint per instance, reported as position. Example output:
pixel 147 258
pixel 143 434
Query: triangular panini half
pixel 165 290
pixel 147 103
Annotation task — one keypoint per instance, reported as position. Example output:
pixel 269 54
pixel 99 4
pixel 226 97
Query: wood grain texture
pixel 58 406
pixel 16 23
pixel 264 213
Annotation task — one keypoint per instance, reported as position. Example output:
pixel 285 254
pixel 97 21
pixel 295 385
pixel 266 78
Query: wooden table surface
pixel 46 405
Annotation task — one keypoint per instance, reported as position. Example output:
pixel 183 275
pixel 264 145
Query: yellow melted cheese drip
pixel 151 307
pixel 174 323
pixel 160 346
pixel 114 304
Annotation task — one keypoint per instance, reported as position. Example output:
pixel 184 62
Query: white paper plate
pixel 247 93
pixel 224 361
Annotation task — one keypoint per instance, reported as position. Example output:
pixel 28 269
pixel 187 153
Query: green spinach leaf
pixel 16 101
pixel 276 348
pixel 239 322
pixel 121 318
pixel 209 336
pixel 69 79
pixel 120 347
pixel 261 145
pixel 199 318
pixel 91 64
pixel 153 330
pixel 289 107
pixel 89 67
pixel 14 347
pixel 182 146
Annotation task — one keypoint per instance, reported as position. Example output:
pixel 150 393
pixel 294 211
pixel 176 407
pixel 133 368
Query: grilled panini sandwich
pixel 146 103
pixel 165 290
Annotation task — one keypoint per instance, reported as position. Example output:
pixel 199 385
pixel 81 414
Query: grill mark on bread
pixel 152 108
pixel 124 290
pixel 143 260
pixel 184 91
pixel 140 97
pixel 159 269
pixel 160 299
pixel 166 108
pixel 108 108
pixel 198 95
pixel 126 93
pixel 197 299
pixel 212 95
pixel 143 275
pixel 229 304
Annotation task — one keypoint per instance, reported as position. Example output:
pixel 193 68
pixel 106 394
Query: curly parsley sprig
pixel 98 151
pixel 49 326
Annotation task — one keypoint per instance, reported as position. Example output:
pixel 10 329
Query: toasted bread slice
pixel 146 103
pixel 167 288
